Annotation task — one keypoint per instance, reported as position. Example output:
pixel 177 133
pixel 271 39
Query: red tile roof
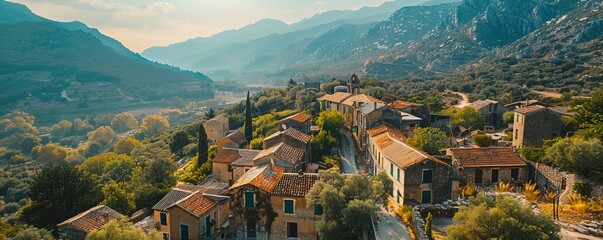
pixel 402 104
pixel 400 153
pixel 295 185
pixel 486 157
pixel 92 219
pixel 299 117
pixel 196 204
pixel 392 131
pixel 335 97
pixel 264 177
pixel 360 98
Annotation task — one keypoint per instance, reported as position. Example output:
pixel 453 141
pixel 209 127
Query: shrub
pixel 482 140
pixel 469 190
pixel 10 208
pixel 504 187
pixel 332 161
pixel 531 192
pixel 579 204
pixel 582 189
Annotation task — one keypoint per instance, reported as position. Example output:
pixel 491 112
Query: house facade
pixel 193 212
pixel 216 128
pixel 229 164
pixel 534 124
pixel 299 121
pixel 492 111
pixel 418 177
pixel 490 165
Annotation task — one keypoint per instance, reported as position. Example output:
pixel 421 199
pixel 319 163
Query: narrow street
pixel 390 226
pixel 347 150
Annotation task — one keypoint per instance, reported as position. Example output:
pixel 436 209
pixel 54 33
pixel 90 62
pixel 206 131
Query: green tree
pixel 482 140
pixel 383 186
pixel 428 226
pixel 469 118
pixel 58 193
pixel 501 218
pixel 123 122
pixel 30 232
pixel 94 148
pixel 589 116
pixel 210 114
pixel 179 139
pixel 126 145
pixel 330 121
pixel 28 142
pixel 428 139
pixel 156 166
pixel 121 230
pixel 154 124
pixel 103 135
pixel 120 168
pixel 49 154
pixel 61 129
pixel 17 122
pixel 117 198
pixel 80 126
pixel 579 156
pixel 248 120
pixel 358 214
pixel 508 116
pixel 322 144
pixel 533 154
pixel 202 146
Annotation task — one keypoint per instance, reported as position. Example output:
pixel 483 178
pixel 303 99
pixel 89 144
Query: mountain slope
pixel 476 27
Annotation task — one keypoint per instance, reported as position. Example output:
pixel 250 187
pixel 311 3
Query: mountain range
pixel 49 68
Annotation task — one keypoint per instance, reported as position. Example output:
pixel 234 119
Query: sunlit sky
pixel 140 24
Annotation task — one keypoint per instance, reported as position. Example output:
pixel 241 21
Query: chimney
pixel 271 164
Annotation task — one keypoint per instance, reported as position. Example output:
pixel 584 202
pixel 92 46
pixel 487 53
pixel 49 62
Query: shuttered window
pixel 249 201
pixel 289 206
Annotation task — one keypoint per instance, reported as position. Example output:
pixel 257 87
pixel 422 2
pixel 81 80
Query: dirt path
pixel 463 103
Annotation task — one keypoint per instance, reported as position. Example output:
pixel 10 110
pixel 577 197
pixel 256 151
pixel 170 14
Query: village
pixel 418 158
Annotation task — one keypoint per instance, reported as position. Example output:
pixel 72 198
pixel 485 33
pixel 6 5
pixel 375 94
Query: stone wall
pixel 548 177
pixel 445 209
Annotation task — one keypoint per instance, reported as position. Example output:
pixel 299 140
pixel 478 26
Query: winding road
pixel 347 151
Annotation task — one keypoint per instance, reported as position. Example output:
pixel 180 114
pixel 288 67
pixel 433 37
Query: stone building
pixel 78 227
pixel 418 177
pixel 230 163
pixel 484 166
pixel 534 124
pixel 492 111
pixel 299 121
pixel 216 128
pixel 235 139
pixel 193 212
pixel 293 219
pixel 289 148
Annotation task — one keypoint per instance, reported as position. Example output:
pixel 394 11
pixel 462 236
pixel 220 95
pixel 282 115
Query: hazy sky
pixel 139 24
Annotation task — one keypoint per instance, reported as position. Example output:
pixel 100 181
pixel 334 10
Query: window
pixel 427 176
pixel 249 200
pixel 516 133
pixel 514 173
pixel 292 230
pixel 516 117
pixel 184 232
pixel 317 209
pixel 398 196
pixel 289 206
pixel 494 175
pixel 478 175
pixel 166 236
pixel 391 169
pixel 163 218
pixel 251 227
pixel 398 174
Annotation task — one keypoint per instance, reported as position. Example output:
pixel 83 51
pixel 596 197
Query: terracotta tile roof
pixel 392 131
pixel 297 135
pixel 196 204
pixel 244 157
pixel 479 104
pixel 264 177
pixel 295 185
pixel 226 155
pixel 400 153
pixel 299 117
pixel 237 137
pixel 92 219
pixel 360 98
pixel 529 109
pixel 563 110
pixel 402 104
pixel 283 151
pixel 175 195
pixel 486 157
pixel 335 97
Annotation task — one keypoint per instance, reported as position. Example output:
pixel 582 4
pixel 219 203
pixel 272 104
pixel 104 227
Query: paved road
pixel 348 161
pixel 391 227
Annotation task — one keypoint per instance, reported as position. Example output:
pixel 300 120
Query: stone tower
pixel 354 84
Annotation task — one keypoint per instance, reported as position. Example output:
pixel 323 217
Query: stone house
pixel 79 226
pixel 229 164
pixel 299 121
pixel 521 104
pixel 216 128
pixel 270 204
pixel 488 165
pixel 330 102
pixel 492 111
pixel 534 124
pixel 235 139
pixel 289 148
pixel 419 110
pixel 418 177
pixel 193 212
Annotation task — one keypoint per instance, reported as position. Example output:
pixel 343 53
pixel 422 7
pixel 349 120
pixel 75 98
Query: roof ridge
pixel 78 216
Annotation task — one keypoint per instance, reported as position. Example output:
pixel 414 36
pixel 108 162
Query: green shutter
pixel 163 218
pixel 317 209
pixel 391 169
pixel 249 203
pixel 289 205
pixel 398 174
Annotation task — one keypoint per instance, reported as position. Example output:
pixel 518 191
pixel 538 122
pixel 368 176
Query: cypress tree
pixel 248 127
pixel 202 146
pixel 428 226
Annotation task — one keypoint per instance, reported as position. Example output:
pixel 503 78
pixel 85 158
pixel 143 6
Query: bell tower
pixel 354 84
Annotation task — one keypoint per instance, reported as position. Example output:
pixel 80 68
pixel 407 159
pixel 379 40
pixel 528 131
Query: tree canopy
pixel 578 155
pixel 123 122
pixel 121 230
pixel 468 117
pixel 428 139
pixel 154 124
